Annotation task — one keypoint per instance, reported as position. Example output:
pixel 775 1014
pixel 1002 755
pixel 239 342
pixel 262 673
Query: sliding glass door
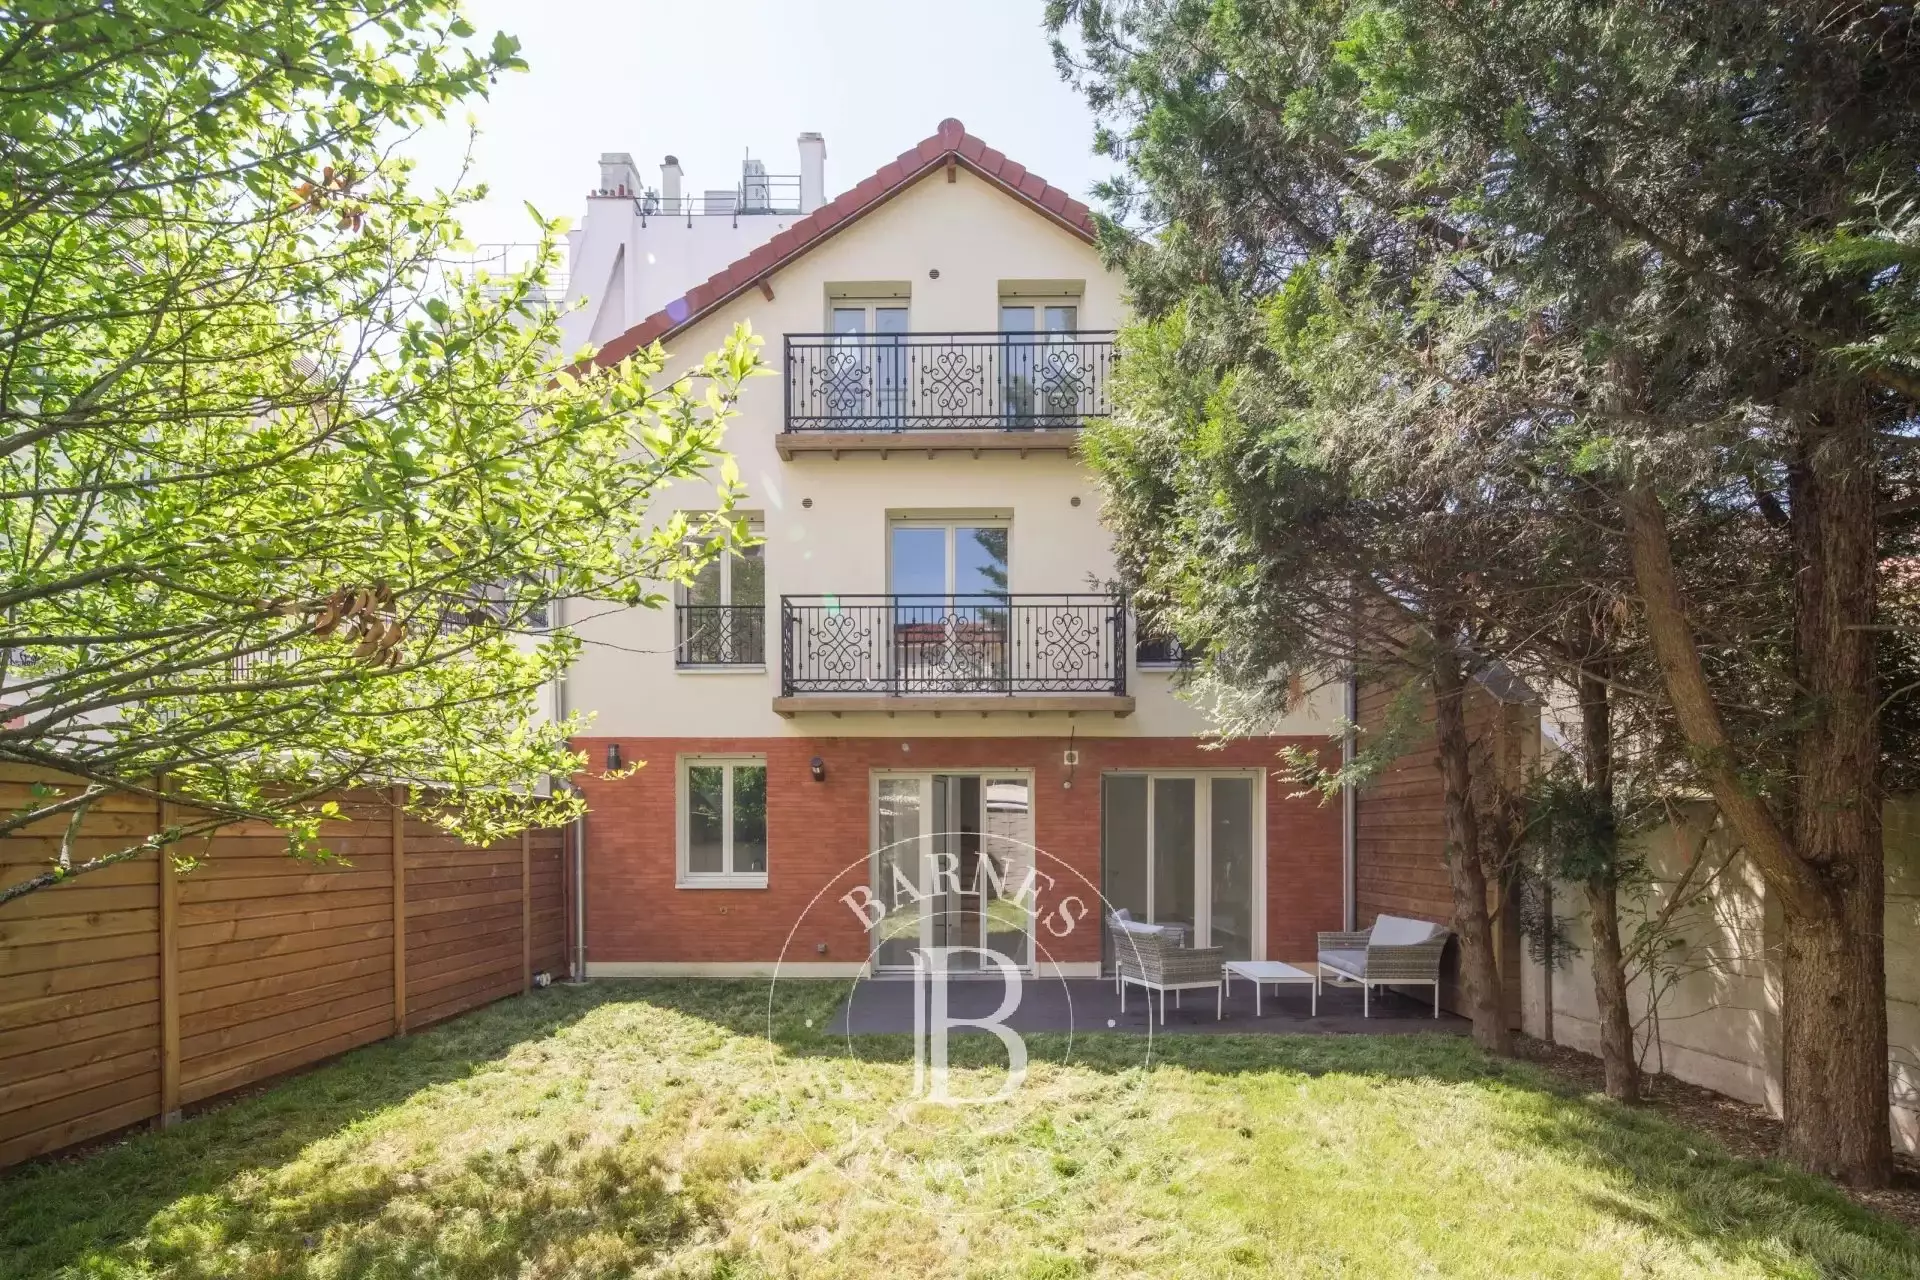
pixel 952 856
pixel 1182 849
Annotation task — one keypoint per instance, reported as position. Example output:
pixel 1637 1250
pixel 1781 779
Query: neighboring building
pixel 639 246
pixel 920 657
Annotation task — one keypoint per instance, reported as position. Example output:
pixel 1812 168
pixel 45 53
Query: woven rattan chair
pixel 1151 956
pixel 1396 952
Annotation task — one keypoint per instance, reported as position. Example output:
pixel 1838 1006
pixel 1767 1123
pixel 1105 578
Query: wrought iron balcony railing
pixel 1153 652
pixel 900 645
pixel 720 635
pixel 947 381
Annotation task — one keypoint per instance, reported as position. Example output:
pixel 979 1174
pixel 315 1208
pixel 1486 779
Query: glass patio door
pixel 1179 849
pixel 901 853
pixel 952 856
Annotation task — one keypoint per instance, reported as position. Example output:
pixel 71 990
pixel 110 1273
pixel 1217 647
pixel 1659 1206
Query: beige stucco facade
pixel 950 248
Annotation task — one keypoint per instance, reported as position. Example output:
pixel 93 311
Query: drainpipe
pixel 580 898
pixel 577 830
pixel 1349 809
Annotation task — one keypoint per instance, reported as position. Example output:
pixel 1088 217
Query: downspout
pixel 577 962
pixel 1349 810
pixel 580 898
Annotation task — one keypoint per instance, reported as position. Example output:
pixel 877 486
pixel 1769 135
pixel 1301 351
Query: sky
pixel 712 80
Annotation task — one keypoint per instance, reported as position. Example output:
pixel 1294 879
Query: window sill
pixel 720 882
pixel 1161 666
pixel 720 668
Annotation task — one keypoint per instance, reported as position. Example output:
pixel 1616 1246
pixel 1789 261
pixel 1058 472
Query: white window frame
pixel 757 534
pixel 924 777
pixel 1203 846
pixel 683 811
pixel 1040 305
pixel 870 326
pixel 756 530
pixel 952 525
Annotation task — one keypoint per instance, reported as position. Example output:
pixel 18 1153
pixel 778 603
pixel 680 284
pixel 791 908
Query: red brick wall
pixel 818 838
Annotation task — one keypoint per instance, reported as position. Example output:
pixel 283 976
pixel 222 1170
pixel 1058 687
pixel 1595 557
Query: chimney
pixel 618 177
pixel 813 172
pixel 670 184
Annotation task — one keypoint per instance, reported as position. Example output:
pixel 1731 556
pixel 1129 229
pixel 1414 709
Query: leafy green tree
pixel 1662 246
pixel 287 495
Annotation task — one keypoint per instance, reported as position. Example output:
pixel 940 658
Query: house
pixel 918 665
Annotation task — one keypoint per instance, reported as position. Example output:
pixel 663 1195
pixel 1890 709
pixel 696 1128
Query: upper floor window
pixel 857 319
pixel 1045 374
pixel 869 364
pixel 950 558
pixel 1020 317
pixel 1153 651
pixel 721 616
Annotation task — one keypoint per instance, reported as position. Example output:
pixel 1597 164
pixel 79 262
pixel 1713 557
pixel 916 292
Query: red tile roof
pixel 950 144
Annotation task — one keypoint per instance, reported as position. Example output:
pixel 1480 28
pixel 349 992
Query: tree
pixel 1691 212
pixel 1249 529
pixel 286 495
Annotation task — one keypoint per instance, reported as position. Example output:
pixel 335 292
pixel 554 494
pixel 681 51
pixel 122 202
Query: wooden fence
pixel 137 991
pixel 1400 836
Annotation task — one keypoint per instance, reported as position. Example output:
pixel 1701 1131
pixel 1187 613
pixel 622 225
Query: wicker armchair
pixel 1151 957
pixel 1396 952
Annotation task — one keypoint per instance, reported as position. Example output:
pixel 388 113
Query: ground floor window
pixel 723 822
pixel 1185 849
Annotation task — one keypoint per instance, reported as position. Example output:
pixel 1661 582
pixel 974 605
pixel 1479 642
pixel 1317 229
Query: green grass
pixel 658 1129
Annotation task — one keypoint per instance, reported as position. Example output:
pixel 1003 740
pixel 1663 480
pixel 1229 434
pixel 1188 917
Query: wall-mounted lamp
pixel 613 756
pixel 818 768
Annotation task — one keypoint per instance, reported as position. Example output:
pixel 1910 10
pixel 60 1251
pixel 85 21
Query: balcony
pixel 940 654
pixel 719 635
pixel 975 391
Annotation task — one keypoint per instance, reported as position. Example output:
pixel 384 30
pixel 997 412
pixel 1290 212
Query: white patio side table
pixel 1276 972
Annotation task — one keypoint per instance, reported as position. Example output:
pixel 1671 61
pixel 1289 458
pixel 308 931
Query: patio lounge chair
pixel 1396 952
pixel 1151 956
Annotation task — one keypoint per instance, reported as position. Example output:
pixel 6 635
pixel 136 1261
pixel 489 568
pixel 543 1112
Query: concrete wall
pixel 626 265
pixel 1718 1025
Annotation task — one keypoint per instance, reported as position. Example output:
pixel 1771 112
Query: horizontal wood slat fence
pixel 136 991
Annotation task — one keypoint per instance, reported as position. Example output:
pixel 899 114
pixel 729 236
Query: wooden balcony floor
pixel 954 703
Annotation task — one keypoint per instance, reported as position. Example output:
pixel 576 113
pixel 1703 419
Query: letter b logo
pixel 931 1022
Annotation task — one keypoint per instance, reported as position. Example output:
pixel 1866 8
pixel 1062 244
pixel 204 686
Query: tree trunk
pixel 1828 874
pixel 1834 1021
pixel 1617 1057
pixel 1479 974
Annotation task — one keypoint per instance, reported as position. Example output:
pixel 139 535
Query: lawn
pixel 660 1129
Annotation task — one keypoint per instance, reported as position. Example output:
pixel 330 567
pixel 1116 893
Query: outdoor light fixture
pixel 818 768
pixel 613 756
